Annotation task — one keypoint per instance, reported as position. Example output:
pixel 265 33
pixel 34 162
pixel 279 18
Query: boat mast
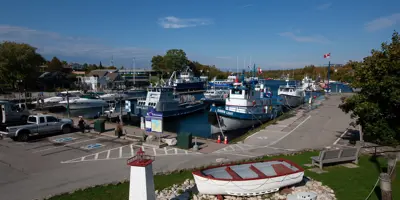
pixel 133 70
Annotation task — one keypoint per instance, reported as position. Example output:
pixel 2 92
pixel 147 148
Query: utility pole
pixel 134 69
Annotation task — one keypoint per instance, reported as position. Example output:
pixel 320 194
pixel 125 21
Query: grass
pixel 348 183
pixel 263 126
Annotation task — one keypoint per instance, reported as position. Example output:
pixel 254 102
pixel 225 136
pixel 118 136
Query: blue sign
pixel 153 112
pixel 92 146
pixel 61 140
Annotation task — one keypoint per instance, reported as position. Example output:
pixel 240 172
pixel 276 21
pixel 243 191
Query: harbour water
pixel 197 123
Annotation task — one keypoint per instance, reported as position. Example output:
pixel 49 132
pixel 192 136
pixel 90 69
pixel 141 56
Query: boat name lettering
pixel 225 112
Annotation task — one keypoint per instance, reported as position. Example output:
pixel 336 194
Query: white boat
pixel 216 94
pixel 245 106
pixel 60 97
pixel 309 85
pixel 248 179
pixel 291 95
pixel 85 102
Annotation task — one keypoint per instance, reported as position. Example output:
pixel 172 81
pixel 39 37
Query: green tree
pixel 18 61
pixel 100 66
pixel 122 67
pixel 175 60
pixel 85 66
pixel 377 106
pixel 65 63
pixel 157 63
pixel 55 65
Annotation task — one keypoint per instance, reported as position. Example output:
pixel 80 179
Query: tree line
pixel 176 60
pixel 21 64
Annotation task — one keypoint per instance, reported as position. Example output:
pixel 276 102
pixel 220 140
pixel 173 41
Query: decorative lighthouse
pixel 141 186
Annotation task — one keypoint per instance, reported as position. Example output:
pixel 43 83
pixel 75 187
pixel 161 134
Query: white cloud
pixel 298 38
pixel 224 57
pixel 248 5
pixel 51 43
pixel 174 22
pixel 382 22
pixel 324 6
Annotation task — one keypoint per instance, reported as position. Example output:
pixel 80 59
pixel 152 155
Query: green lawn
pixel 348 184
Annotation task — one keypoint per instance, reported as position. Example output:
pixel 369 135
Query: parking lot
pixel 84 147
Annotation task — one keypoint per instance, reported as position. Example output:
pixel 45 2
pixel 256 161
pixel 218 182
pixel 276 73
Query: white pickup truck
pixel 38 125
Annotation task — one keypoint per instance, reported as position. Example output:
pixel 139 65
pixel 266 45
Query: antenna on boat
pixel 237 64
pixel 250 61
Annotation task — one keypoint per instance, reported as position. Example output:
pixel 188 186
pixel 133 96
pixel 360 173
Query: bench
pixel 336 156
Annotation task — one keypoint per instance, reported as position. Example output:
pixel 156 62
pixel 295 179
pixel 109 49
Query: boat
pixel 309 85
pixel 186 81
pixel 244 107
pixel 222 83
pixel 292 95
pixel 248 179
pixel 84 102
pixel 215 95
pixel 164 101
pixel 58 98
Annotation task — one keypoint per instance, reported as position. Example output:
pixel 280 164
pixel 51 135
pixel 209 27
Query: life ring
pixel 254 102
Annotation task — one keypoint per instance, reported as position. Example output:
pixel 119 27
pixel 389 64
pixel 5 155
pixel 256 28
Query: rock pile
pixel 188 191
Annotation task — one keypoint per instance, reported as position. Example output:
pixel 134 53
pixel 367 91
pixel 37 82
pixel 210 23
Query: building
pixel 99 80
pixel 137 77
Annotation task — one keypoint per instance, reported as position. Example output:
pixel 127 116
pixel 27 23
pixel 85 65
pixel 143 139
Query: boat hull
pixel 142 110
pixel 227 121
pixel 248 179
pixel 190 86
pixel 291 101
pixel 245 187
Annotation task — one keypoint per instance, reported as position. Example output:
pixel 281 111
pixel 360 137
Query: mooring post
pixel 391 167
pixel 386 186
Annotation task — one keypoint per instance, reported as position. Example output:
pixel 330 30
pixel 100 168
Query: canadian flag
pixel 259 70
pixel 328 55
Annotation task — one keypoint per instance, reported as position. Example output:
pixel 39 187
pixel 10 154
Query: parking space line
pixel 120 152
pixel 176 151
pixel 96 156
pixel 132 151
pixel 66 145
pixel 108 154
pixel 155 152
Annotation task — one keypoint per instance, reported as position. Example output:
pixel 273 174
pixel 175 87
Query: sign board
pixel 156 124
pixel 62 140
pixel 148 123
pixel 92 146
pixel 154 121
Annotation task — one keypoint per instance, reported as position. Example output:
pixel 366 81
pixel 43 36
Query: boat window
pixel 236 91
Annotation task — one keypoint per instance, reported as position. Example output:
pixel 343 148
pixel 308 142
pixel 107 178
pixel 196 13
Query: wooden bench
pixel 336 156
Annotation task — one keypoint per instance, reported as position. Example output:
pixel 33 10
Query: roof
pixel 112 76
pixel 97 73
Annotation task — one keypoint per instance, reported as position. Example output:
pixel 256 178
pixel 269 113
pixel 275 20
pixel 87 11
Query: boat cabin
pixel 245 99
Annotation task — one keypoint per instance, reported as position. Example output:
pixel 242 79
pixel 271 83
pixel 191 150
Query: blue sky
pixel 275 34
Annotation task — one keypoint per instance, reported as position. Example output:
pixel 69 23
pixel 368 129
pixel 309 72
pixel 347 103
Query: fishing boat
pixel 309 85
pixel 223 83
pixel 214 95
pixel 84 102
pixel 164 100
pixel 186 81
pixel 292 95
pixel 244 107
pixel 248 179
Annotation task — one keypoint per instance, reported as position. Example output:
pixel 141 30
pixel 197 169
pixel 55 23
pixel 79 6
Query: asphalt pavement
pixel 63 163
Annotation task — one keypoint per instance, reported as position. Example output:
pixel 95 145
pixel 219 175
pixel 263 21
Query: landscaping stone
pixel 187 190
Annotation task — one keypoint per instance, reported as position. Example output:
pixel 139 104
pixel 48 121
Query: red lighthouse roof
pixel 140 160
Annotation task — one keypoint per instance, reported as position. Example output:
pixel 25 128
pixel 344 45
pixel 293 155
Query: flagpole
pixel 329 69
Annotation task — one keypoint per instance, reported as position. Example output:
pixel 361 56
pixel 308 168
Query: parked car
pixel 38 125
